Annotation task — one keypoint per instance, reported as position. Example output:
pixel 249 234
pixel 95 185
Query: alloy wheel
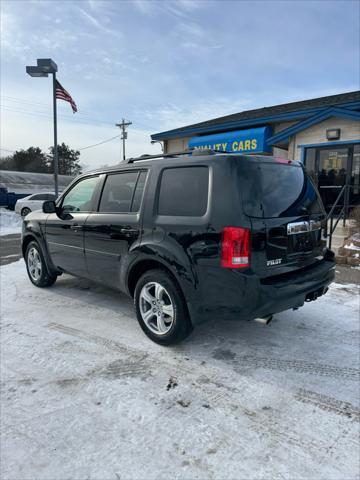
pixel 156 308
pixel 34 264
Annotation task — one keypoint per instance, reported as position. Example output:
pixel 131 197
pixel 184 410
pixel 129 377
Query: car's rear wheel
pixel 161 309
pixel 36 266
pixel 25 211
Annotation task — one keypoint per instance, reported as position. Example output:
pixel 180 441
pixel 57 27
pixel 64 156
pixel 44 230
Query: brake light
pixel 235 247
pixel 283 160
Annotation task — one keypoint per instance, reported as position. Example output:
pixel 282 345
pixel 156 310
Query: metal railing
pixel 344 193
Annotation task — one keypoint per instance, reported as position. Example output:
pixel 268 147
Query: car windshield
pixel 277 190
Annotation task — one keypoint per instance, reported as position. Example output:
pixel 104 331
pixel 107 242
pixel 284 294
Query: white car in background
pixel 33 202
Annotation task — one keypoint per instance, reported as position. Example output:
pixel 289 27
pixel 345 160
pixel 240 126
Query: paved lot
pixel 85 395
pixel 10 250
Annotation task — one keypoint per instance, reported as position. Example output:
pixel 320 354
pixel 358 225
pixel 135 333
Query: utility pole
pixel 123 126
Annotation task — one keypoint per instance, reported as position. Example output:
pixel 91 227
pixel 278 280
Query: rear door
pixel 112 232
pixel 286 214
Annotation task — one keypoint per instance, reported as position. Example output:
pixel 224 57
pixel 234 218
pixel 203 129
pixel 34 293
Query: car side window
pixel 40 196
pixel 184 191
pixel 118 192
pixel 139 190
pixel 80 197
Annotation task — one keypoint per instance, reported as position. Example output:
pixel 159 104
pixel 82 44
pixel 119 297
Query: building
pixel 323 133
pixel 31 182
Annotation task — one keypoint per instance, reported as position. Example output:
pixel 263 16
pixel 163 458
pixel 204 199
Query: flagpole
pixel 55 156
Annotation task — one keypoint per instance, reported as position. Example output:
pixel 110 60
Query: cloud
pixel 143 6
pixel 171 115
pixel 175 8
pixel 97 24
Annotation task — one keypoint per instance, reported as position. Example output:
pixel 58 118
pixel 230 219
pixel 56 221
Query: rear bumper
pixel 287 293
pixel 248 296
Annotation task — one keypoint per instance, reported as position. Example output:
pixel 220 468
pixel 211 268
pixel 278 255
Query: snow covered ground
pixel 10 222
pixel 85 395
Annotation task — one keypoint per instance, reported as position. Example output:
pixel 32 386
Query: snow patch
pixel 351 247
pixel 10 222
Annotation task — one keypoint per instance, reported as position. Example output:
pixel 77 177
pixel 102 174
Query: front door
pixel 65 229
pixel 331 168
pixel 114 230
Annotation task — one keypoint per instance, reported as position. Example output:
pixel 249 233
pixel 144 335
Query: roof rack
pixel 193 151
pixel 160 155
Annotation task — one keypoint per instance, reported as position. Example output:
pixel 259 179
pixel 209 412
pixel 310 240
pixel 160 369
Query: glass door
pixel 333 165
pixel 354 199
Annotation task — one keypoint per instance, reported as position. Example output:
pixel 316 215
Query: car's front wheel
pixel 25 211
pixel 36 266
pixel 161 309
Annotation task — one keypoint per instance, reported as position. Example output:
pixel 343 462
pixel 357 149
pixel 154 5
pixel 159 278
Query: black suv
pixel 189 237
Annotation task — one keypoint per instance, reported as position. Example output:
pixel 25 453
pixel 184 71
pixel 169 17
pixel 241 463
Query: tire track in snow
pixel 277 364
pixel 328 404
pixel 261 423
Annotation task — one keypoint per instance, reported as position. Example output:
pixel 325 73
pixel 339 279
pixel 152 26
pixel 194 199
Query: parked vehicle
pixel 9 199
pixel 28 204
pixel 189 237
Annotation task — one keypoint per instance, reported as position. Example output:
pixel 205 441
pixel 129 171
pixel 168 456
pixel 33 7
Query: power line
pixel 31 102
pixel 44 112
pixel 45 115
pixel 82 148
pixel 7 150
pixel 100 143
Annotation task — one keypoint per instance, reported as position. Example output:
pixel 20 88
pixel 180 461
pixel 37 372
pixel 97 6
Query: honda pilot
pixel 189 237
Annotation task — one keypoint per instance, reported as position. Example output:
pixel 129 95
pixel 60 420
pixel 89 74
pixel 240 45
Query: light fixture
pixel 333 133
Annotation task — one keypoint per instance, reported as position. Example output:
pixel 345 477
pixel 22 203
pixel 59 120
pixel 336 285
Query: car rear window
pixel 184 191
pixel 277 190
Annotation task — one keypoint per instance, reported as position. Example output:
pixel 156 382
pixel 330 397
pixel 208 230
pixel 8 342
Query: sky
pixel 165 64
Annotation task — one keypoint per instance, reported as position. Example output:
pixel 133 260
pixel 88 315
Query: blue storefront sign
pixel 253 140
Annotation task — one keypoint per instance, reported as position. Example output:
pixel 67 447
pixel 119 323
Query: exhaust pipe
pixel 264 320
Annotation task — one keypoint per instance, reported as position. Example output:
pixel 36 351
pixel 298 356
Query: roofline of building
pixel 200 128
pixel 284 135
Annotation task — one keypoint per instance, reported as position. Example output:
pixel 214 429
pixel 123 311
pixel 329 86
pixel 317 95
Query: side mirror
pixel 49 206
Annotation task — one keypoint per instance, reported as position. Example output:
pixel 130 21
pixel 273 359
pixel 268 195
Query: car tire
pixel 36 266
pixel 25 211
pixel 161 308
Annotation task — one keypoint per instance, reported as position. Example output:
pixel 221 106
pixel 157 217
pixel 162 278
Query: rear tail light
pixel 235 247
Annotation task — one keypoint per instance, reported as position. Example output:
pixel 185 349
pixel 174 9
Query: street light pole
pixel 44 67
pixel 56 159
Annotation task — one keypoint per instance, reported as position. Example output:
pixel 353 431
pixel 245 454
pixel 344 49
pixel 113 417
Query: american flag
pixel 62 94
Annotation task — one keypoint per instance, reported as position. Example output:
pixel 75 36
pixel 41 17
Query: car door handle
pixel 76 227
pixel 128 230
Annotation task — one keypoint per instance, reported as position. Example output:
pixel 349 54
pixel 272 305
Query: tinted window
pixel 118 192
pixel 38 196
pixel 184 191
pixel 43 196
pixel 277 190
pixel 139 190
pixel 79 199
